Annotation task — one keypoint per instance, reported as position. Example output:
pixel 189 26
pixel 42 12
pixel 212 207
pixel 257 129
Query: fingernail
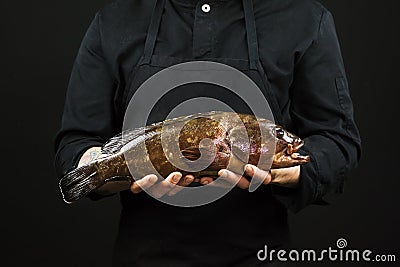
pixel 249 169
pixel 189 180
pixel 176 178
pixel 153 179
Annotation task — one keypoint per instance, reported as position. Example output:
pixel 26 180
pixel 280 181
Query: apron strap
pixel 153 31
pixel 251 32
pixel 254 58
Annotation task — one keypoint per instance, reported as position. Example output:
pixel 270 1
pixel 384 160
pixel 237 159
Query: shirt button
pixel 206 8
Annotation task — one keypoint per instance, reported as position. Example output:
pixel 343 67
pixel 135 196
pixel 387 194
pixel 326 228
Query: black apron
pixel 227 232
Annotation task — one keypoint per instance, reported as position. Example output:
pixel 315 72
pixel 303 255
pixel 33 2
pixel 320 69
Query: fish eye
pixel 279 132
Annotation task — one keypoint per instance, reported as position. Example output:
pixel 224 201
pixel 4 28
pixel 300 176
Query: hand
pixel 226 180
pixel 90 155
pixel 288 177
pixel 93 154
pixel 173 184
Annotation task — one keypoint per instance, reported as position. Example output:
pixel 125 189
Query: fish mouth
pixel 294 147
pixel 292 151
pixel 300 158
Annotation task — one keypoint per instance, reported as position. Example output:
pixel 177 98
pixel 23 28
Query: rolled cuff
pixel 308 190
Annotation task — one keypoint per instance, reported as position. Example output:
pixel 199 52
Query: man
pixel 289 48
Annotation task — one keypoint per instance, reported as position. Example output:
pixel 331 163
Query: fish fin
pixel 115 184
pixel 219 161
pixel 117 142
pixel 78 183
pixel 191 153
pixel 119 179
pixel 194 152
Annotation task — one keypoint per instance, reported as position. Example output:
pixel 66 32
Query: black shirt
pixel 299 51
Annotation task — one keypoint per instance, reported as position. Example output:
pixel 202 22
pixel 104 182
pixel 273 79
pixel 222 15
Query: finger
pixel 288 177
pixel 258 174
pixel 183 181
pixel 232 177
pixel 165 186
pixel 221 181
pixel 227 179
pixel 206 180
pixel 144 183
pixel 187 180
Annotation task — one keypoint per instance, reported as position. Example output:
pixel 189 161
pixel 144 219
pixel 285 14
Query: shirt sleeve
pixel 88 119
pixel 322 112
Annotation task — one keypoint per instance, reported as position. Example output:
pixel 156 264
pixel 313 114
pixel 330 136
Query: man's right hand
pixel 173 184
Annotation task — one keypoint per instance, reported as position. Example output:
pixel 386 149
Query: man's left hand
pixel 288 177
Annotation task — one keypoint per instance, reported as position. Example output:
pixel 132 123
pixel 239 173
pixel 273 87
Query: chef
pixel 289 48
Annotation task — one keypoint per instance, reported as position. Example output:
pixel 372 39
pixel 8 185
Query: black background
pixel 39 43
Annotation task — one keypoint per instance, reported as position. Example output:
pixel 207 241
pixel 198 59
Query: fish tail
pixel 79 182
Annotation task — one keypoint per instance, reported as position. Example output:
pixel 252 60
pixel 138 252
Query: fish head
pixel 286 150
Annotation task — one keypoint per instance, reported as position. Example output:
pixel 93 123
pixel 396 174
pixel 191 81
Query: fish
pixel 198 144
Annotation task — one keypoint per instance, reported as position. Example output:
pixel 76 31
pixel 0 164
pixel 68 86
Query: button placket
pixel 203 29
